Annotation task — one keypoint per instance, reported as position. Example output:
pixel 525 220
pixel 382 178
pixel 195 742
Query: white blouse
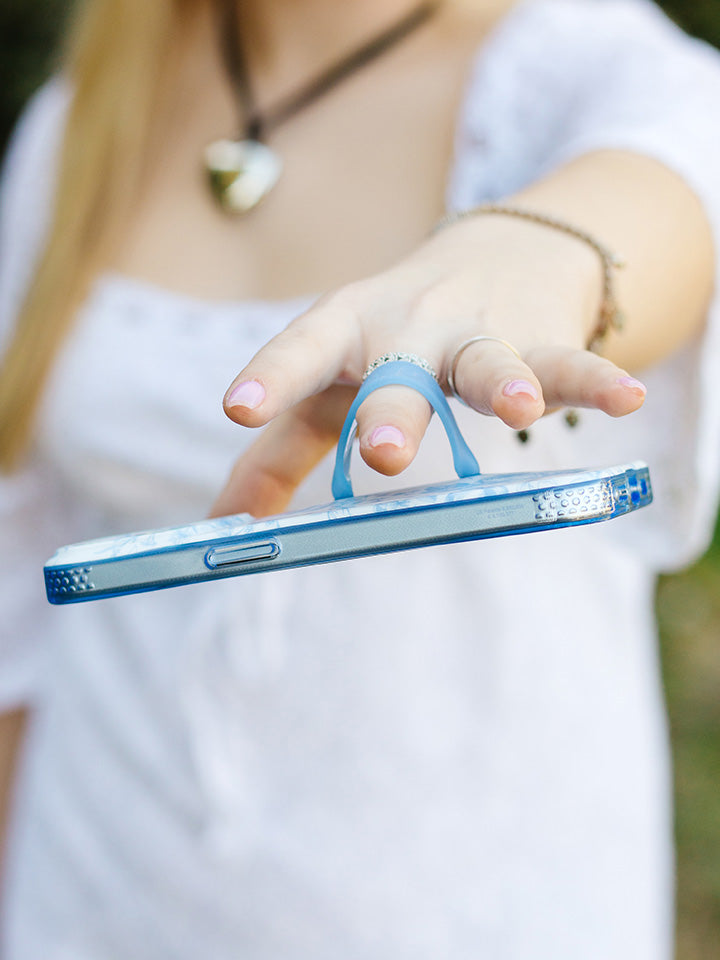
pixel 453 752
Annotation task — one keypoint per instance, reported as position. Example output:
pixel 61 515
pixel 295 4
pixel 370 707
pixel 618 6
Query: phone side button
pixel 243 553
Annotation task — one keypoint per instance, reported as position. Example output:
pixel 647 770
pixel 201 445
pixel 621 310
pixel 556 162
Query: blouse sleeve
pixel 568 77
pixel 26 516
pixel 646 87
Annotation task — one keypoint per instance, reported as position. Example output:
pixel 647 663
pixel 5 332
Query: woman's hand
pixel 534 287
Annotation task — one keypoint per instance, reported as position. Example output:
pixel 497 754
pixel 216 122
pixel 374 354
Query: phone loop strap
pixel 401 373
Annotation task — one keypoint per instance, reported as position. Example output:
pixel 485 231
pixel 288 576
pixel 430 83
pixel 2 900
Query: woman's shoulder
pixel 28 168
pixel 571 19
pixel 37 132
pixel 575 38
pixel 558 77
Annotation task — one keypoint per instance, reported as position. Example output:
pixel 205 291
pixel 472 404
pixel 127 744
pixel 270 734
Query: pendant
pixel 241 173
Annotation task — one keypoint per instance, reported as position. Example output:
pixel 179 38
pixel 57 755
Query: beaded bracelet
pixel 610 316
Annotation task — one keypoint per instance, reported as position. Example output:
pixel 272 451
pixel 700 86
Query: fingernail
pixel 248 394
pixel 386 434
pixel 632 384
pixel 516 387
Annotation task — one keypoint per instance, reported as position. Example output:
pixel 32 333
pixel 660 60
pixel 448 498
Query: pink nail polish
pixel 517 387
pixel 386 434
pixel 632 384
pixel 248 394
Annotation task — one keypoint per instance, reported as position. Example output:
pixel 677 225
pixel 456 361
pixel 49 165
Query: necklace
pixel 242 172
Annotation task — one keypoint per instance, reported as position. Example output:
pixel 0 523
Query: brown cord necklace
pixel 242 172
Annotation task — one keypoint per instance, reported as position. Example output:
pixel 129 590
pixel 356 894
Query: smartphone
pixel 471 508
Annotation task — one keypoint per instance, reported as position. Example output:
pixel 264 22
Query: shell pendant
pixel 241 173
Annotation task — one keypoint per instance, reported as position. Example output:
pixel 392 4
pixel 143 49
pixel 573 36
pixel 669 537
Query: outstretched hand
pixel 535 289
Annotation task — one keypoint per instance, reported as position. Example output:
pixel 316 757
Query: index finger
pixel 310 354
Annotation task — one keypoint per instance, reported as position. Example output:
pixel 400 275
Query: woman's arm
pixel 646 214
pixel 536 287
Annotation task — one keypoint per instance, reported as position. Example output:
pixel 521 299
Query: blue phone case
pixel 473 507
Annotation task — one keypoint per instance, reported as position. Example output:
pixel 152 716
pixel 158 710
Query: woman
pixel 455 752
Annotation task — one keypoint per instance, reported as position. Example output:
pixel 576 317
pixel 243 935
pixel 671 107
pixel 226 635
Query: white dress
pixel 456 752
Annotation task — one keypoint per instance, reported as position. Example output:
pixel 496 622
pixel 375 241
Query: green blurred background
pixel 688 604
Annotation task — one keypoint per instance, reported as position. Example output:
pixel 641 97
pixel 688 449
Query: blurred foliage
pixel 688 604
pixel 689 614
pixel 699 17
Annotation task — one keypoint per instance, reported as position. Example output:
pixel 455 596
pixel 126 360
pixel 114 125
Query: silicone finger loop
pixel 401 373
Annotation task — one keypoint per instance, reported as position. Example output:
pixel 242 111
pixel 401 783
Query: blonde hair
pixel 114 60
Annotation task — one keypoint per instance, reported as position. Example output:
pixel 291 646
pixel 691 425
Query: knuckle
pixel 348 299
pixel 429 303
pixel 299 335
pixel 568 369
pixel 334 323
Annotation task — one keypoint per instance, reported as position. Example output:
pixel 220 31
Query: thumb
pixel 264 479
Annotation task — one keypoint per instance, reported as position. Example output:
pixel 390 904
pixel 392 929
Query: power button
pixel 241 553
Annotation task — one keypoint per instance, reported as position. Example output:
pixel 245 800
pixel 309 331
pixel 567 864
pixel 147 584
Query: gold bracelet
pixel 610 316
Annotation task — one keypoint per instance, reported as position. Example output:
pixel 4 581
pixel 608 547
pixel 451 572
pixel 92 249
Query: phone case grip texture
pixel 406 374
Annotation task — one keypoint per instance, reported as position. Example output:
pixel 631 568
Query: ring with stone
pixel 459 352
pixel 403 358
